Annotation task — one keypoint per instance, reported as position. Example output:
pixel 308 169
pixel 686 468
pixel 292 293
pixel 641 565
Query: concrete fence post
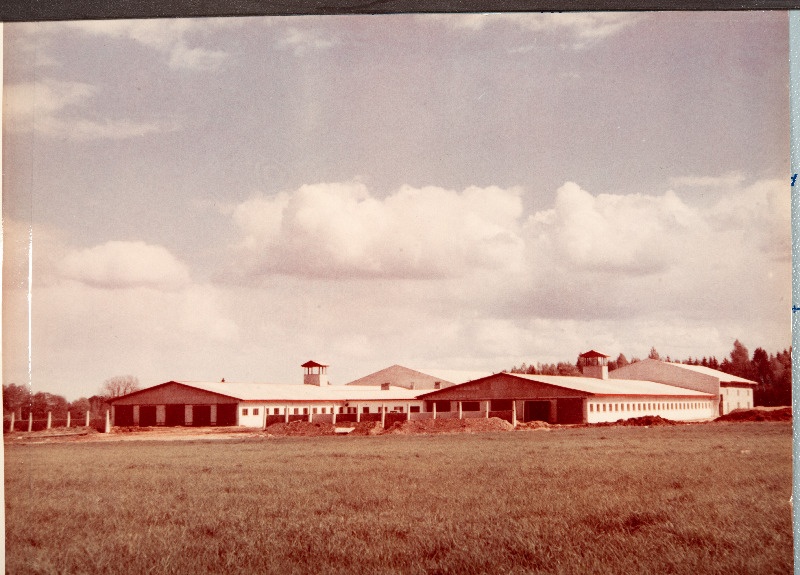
pixel 487 409
pixel 358 413
pixel 49 419
pixel 333 418
pixel 408 412
pixel 69 418
pixel 108 421
pixel 30 421
pixel 434 410
pixel 310 417
pixel 460 411
pixel 87 417
pixel 383 416
pixel 11 425
pixel 514 413
pixel 286 414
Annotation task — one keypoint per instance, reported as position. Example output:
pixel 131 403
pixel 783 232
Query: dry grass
pixel 683 499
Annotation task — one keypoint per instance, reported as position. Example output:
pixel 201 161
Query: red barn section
pixel 174 404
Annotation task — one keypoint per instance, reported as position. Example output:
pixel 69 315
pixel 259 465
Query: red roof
pixel 593 353
pixel 313 364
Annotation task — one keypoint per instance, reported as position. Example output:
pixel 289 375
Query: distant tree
pixel 15 397
pixel 565 368
pixel 79 407
pixel 119 385
pixel 43 403
pixel 98 405
pixel 740 361
pixel 653 354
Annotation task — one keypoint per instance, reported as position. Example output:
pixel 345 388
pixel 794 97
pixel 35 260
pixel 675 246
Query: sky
pixel 214 198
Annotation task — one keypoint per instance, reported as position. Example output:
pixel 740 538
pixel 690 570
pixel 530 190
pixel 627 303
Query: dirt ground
pixel 314 429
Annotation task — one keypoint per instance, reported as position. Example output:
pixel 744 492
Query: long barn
pixel 673 391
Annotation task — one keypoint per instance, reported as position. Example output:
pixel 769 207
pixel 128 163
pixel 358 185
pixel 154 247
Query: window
pixel 470 406
pixel 604 407
pixel 244 411
pixel 314 410
pixel 414 409
pixel 591 407
pixel 276 411
pixel 324 410
pixel 297 411
pixel 255 411
pixel 398 408
pixel 616 407
pixel 366 410
pixel 305 411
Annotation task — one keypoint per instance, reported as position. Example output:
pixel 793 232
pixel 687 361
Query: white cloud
pixel 584 28
pixel 118 265
pixel 169 36
pixel 302 41
pixel 340 229
pixel 614 233
pixel 52 108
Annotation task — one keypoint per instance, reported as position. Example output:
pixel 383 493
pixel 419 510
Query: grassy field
pixel 686 499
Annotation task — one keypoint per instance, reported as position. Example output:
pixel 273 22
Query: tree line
pixel 771 371
pixel 19 400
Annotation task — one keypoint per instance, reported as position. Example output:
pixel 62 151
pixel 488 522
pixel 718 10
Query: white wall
pixel 736 398
pixel 676 409
pixel 305 408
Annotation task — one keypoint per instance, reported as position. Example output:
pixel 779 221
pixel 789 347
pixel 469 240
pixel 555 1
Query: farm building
pixel 593 398
pixel 730 392
pixel 397 375
pixel 673 391
pixel 178 403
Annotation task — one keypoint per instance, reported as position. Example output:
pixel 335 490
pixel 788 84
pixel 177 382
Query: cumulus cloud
pixel 583 28
pixel 169 36
pixel 614 233
pixel 123 264
pixel 52 108
pixel 340 229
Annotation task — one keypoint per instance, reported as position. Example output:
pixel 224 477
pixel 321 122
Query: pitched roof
pixel 421 378
pixel 593 353
pixel 721 375
pixel 299 392
pixel 596 386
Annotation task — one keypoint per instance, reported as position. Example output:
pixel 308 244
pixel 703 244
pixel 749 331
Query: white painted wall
pixel 305 408
pixel 736 398
pixel 613 409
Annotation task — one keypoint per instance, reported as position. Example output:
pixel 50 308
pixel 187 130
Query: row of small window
pixel 324 410
pixel 738 390
pixel 647 406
